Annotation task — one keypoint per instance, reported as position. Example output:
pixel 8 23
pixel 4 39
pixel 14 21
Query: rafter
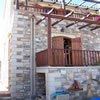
pixel 80 4
pixel 68 2
pixel 69 14
pixel 95 28
pixel 78 22
pixel 85 16
pixel 71 24
pixel 45 17
pixel 84 26
pixel 93 1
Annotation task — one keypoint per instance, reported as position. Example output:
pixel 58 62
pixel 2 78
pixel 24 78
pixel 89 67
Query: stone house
pixel 67 54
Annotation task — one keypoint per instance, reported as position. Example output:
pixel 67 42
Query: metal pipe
pixel 32 59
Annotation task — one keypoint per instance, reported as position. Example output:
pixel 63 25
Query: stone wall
pixel 20 56
pixel 88 78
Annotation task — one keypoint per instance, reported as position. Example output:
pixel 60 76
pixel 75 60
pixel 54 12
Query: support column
pixel 49 42
pixel 49 32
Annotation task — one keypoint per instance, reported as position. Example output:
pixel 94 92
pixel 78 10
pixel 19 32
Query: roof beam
pixel 45 17
pixel 95 28
pixel 85 16
pixel 77 22
pixel 69 14
pixel 57 22
pixel 93 1
pixel 80 4
pixel 71 24
pixel 84 26
pixel 68 2
pixel 70 18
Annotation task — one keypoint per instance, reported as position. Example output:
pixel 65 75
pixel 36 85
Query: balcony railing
pixel 67 57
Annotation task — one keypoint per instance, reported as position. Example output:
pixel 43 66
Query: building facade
pixel 49 78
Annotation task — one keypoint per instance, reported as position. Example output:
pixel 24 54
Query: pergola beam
pixel 45 17
pixel 71 24
pixel 84 26
pixel 77 22
pixel 80 4
pixel 69 14
pixel 71 18
pixel 95 28
pixel 93 1
pixel 68 2
pixel 57 22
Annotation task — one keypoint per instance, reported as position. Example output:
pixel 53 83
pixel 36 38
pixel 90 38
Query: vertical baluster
pixel 84 58
pixel 69 56
pixel 65 56
pixel 87 58
pixel 93 56
pixel 81 58
pixel 90 59
pixel 96 56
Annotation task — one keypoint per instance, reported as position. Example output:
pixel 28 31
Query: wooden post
pixel 17 4
pixel 49 42
pixel 25 4
pixel 49 32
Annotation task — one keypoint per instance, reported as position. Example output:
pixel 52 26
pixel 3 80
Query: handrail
pixel 68 57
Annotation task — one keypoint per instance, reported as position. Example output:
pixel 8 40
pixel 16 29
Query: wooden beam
pixel 70 18
pixel 77 22
pixel 68 2
pixel 93 1
pixel 85 17
pixel 69 14
pixel 57 22
pixel 95 28
pixel 80 4
pixel 45 17
pixel 84 26
pixel 71 24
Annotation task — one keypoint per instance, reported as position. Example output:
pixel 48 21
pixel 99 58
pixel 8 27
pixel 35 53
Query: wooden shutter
pixel 76 44
pixel 77 58
pixel 58 50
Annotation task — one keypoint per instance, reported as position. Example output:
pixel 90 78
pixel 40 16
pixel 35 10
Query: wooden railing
pixel 67 57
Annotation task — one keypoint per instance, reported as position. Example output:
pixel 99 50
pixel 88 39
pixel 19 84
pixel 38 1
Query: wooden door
pixel 77 58
pixel 58 51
